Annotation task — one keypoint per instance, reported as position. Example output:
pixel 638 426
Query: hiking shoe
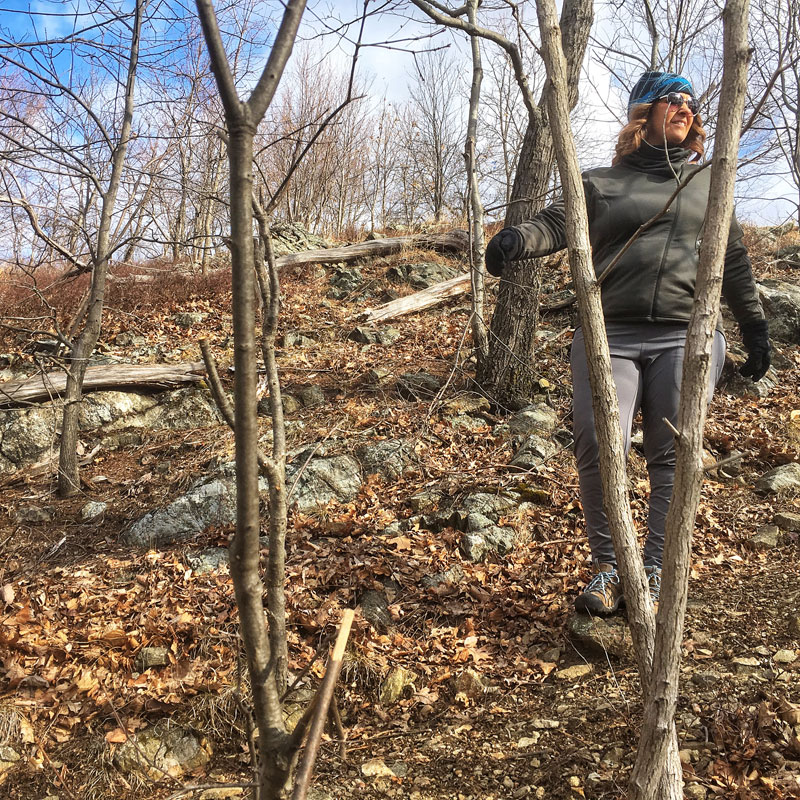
pixel 654 583
pixel 603 595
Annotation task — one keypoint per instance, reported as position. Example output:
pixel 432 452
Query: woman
pixel 647 301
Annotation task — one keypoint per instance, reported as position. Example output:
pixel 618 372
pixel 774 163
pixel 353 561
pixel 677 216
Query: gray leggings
pixel 647 361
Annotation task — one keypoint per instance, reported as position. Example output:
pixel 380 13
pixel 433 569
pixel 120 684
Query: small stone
pixel 785 657
pixel 470 683
pixel 574 781
pixel 375 609
pixel 395 684
pixel 208 560
pixel 545 724
pixel 379 376
pixel 311 396
pixel 599 636
pixel 794 624
pixel 694 791
pixel 149 657
pixel 92 511
pixel 767 537
pixel 529 741
pixel 705 680
pixel 188 319
pixel 787 521
pixel 290 404
pixel 376 768
pixel 574 673
pixel 781 480
pixel 34 514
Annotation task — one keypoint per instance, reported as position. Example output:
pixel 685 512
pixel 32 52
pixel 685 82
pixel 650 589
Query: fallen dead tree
pixel 454 241
pixel 419 300
pixel 51 385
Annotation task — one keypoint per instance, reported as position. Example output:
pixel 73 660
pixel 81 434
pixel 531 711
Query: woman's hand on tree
pixel 504 246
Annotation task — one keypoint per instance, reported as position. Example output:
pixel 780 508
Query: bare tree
pixel 104 144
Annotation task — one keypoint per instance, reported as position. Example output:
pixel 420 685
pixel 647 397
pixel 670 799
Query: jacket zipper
pixel 666 250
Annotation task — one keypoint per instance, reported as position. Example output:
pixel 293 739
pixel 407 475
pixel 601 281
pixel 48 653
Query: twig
pixel 734 456
pixel 336 718
pixel 321 712
pixel 220 397
pixel 678 434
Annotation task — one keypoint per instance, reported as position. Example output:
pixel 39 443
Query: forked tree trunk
pixel 662 689
pixel 507 372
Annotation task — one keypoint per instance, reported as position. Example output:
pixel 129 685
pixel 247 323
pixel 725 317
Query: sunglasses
pixel 677 99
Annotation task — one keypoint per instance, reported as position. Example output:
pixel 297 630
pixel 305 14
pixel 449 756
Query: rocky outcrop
pixel 781 301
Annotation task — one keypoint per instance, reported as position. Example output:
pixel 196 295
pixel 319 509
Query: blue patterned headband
pixel 653 85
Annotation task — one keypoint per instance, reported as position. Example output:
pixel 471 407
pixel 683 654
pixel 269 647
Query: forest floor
pixel 77 604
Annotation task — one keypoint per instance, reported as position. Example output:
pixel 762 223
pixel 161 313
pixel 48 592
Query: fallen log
pixel 419 300
pixel 454 241
pixel 51 385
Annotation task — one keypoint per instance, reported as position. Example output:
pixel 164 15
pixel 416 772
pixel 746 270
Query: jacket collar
pixel 652 159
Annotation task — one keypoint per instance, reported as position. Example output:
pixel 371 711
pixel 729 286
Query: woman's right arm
pixel 540 236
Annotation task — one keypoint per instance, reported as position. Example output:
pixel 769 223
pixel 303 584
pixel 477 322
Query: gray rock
pixel 291 237
pixel 706 679
pixel 384 336
pixel 421 275
pixel 344 282
pixel 209 560
pixel 766 538
pixel 538 418
pixel 476 545
pixel 781 480
pixel 188 319
pixel 190 407
pixel 163 748
pixel 149 657
pixel 454 574
pixel 211 503
pixel 470 683
pixel 492 506
pixel 418 386
pixel 295 339
pixel 533 452
pixel 469 404
pixel 389 458
pixel 324 480
pixel 8 759
pixel 395 684
pixel 393 529
pixel 478 522
pixel 93 510
pixel 736 384
pixel 787 521
pixel 375 609
pixel 311 396
pixel 781 301
pixel 596 636
pixel 789 256
pixel 27 436
pixel 34 515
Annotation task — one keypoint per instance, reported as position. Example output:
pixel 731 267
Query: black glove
pixel 503 247
pixel 755 336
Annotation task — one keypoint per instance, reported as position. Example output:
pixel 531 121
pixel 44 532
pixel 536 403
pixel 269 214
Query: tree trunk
pixel 507 373
pixel 477 272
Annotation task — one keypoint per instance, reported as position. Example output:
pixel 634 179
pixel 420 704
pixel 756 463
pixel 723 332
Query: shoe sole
pixel 591 604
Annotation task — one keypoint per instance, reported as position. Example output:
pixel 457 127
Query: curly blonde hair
pixel 631 136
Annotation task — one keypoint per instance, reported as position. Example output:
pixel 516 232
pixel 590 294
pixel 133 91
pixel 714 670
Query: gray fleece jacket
pixel 654 281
